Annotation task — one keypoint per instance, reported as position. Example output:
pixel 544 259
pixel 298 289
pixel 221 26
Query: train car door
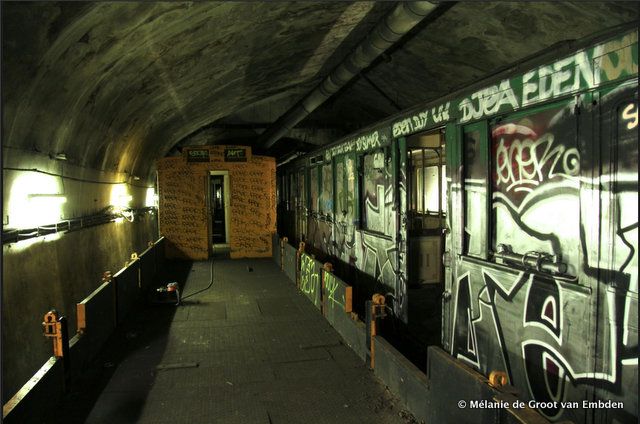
pixel 218 205
pixel 451 243
pixel 617 270
pixel 426 208
pixel 301 206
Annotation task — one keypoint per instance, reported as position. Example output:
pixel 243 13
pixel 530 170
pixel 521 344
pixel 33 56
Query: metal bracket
pixel 53 328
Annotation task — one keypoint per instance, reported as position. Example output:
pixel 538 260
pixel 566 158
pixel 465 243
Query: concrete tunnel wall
pixel 58 271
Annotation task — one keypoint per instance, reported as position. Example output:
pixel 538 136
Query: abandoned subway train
pixel 518 198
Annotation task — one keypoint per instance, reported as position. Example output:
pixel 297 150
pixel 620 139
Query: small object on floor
pixel 169 294
pixel 249 269
pixel 173 287
pixel 178 365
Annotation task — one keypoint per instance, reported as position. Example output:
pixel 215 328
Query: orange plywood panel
pixel 253 208
pixel 183 213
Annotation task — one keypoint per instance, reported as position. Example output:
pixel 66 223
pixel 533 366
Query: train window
pixel 292 192
pixel 313 188
pixel 345 190
pixel 326 195
pixel 535 188
pixel 302 192
pixel 377 201
pixel 350 176
pixel 341 191
pixel 475 168
pixel 427 184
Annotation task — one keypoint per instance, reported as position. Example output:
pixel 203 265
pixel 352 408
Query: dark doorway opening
pixel 218 223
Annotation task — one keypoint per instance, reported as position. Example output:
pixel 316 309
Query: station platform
pixel 249 349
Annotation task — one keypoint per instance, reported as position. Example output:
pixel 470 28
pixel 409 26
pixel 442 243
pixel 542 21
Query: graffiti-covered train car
pixel 517 199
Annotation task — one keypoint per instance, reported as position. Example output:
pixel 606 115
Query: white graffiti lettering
pixel 521 167
pixel 401 128
pixel 561 78
pixel 367 141
pixel 341 149
pixel 441 113
pixel 421 120
pixel 362 143
pixel 630 115
pixel 488 101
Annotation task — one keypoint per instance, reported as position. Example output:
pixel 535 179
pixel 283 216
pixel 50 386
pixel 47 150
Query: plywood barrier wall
pixel 183 210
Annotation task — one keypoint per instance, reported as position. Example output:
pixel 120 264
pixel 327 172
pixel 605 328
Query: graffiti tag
pixel 310 280
pixel 561 78
pixel 361 143
pixel 488 101
pixel 525 164
pixel 420 121
pixel 332 286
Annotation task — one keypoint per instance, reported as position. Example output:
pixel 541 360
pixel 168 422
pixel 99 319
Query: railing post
pixel 56 328
pixel 376 311
pixel 299 253
pixel 283 241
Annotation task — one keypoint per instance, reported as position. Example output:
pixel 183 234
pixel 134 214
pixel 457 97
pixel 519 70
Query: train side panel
pixel 543 245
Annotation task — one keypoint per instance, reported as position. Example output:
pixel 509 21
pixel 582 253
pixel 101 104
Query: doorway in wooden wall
pixel 219 209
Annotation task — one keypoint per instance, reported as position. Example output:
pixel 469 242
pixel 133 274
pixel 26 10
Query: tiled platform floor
pixel 264 355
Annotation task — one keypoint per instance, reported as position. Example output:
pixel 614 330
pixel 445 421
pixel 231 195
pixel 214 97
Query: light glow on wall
pixel 120 197
pixel 35 199
pixel 151 198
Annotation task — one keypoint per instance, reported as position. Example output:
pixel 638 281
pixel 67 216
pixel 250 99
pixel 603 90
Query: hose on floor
pixel 206 288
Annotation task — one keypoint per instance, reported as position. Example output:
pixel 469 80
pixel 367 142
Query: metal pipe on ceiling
pixel 386 33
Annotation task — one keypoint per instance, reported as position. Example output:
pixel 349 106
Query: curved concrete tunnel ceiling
pixel 116 85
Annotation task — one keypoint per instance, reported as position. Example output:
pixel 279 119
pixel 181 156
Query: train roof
pixel 560 56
